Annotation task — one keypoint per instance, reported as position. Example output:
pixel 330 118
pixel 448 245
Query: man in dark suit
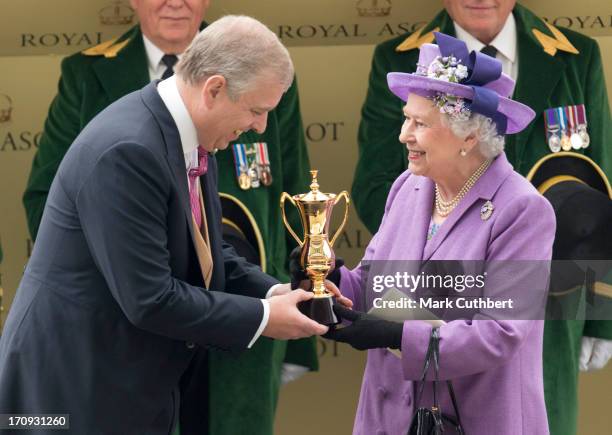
pixel 98 76
pixel 129 274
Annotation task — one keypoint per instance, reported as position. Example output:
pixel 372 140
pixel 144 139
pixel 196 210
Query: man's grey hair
pixel 490 142
pixel 239 48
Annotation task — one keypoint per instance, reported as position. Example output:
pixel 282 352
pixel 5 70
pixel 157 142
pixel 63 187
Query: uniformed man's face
pixel 170 24
pixel 483 19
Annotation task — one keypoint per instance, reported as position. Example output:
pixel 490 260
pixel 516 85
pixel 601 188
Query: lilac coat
pixel 495 366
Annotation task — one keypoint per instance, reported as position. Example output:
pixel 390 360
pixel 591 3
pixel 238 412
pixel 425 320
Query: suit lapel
pixel 538 76
pixel 421 217
pixel 127 71
pixel 174 149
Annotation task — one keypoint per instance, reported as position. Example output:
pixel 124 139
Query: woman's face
pixel 433 149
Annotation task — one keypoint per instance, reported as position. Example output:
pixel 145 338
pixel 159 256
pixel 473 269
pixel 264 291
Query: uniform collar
pixel 154 55
pixel 168 91
pixel 505 42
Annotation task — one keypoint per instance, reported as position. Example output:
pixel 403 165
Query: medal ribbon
pixel 239 158
pixel 581 114
pixel 551 121
pixel 263 153
pixel 561 117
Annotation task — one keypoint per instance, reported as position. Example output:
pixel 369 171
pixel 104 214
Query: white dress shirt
pixel 505 42
pixel 168 91
pixel 154 59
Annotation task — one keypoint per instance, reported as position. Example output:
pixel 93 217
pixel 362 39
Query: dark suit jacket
pixel 111 303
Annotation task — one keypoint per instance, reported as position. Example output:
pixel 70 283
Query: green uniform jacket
pixel 243 391
pixel 544 81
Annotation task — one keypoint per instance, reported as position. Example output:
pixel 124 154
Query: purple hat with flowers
pixel 460 82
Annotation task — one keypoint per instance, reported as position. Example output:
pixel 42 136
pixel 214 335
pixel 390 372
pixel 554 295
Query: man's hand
pixel 366 331
pixel 286 322
pixel 283 289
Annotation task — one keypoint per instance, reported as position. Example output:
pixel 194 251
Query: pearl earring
pixel 463 153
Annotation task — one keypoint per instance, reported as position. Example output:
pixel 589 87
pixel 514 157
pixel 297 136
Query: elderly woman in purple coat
pixel 460 199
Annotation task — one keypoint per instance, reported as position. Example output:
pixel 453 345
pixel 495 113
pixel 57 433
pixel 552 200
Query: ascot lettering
pixel 390 29
pixel 20 142
pixel 317 131
pixel 345 238
pixel 63 39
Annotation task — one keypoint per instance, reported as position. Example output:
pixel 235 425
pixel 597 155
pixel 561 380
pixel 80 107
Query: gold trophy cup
pixel 317 256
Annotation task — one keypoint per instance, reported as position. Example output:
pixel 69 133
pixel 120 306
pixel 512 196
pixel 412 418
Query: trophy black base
pixel 320 310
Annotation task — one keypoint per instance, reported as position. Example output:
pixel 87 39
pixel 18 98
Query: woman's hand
pixel 331 287
pixel 366 331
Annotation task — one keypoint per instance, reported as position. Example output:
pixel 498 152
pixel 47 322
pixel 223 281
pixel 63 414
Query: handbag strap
pixel 436 357
pixel 426 363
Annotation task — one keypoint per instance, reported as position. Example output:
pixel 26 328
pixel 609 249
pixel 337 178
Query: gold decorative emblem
pixel 486 210
pixel 373 8
pixel 106 48
pixel 116 14
pixel 6 108
pixel 557 42
pixel 415 40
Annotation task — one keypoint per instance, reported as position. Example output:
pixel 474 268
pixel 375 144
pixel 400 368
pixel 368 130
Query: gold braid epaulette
pixel 557 42
pixel 106 49
pixel 416 40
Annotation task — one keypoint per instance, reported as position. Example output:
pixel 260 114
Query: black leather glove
pixel 366 331
pixel 298 274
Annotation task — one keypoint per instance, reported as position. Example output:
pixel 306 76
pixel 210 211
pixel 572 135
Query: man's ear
pixel 214 87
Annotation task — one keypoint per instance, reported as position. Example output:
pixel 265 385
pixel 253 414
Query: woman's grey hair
pixel 490 142
pixel 239 48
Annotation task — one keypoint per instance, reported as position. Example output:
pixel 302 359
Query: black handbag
pixel 431 421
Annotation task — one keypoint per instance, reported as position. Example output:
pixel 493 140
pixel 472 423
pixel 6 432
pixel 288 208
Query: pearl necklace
pixel 444 208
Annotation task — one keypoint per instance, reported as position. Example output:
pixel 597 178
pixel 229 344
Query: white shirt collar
pixel 505 41
pixel 168 91
pixel 154 57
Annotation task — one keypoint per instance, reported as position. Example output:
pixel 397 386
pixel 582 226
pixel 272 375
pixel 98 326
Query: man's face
pixel 226 119
pixel 170 24
pixel 483 19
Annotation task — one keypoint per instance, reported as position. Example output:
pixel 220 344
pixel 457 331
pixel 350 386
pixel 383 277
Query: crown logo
pixel 116 14
pixel 6 107
pixel 373 8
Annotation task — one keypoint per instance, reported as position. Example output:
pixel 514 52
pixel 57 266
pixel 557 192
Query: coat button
pixel 382 393
pixel 189 345
pixel 408 399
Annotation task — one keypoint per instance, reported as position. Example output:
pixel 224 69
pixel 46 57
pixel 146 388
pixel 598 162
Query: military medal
pixel 240 163
pixel 264 164
pixel 566 145
pixel 575 138
pixel 552 128
pixel 254 175
pixel 582 125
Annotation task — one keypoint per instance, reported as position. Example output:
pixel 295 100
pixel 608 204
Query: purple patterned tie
pixel 194 173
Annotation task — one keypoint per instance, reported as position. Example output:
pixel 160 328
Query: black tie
pixel 489 50
pixel 169 60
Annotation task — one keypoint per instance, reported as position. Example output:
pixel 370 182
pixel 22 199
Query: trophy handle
pixel 285 196
pixel 344 194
